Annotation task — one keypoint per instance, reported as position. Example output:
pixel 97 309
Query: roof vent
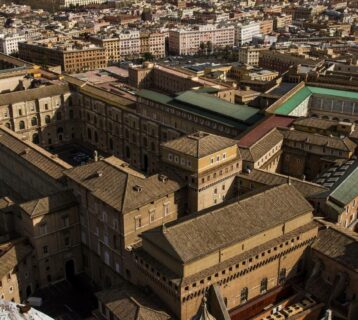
pixel 137 188
pixel 124 165
pixel 99 173
pixel 163 178
pixel 25 151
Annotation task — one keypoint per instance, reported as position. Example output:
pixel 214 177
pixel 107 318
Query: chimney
pixel 95 156
pixel 137 188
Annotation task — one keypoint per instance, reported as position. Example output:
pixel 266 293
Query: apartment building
pixel 111 46
pixel 282 21
pixel 281 61
pixel 266 26
pixel 9 43
pixel 189 42
pixel 71 56
pixel 245 32
pixel 129 43
pixel 153 43
pixel 250 55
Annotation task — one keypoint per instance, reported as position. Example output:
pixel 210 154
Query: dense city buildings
pixel 179 160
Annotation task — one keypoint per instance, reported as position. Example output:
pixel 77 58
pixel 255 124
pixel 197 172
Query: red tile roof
pixel 264 127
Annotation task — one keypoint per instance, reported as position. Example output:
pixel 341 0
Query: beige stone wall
pixel 248 272
pixel 55 237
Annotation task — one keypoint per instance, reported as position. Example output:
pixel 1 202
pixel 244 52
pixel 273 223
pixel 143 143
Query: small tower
pixel 208 163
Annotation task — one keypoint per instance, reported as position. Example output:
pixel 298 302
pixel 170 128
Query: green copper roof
pixel 208 107
pixel 219 106
pixel 348 189
pixel 288 106
pixel 334 92
pixel 292 103
pixel 154 96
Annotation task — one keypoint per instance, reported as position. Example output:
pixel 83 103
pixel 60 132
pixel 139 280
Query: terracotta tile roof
pixel 120 189
pixel 339 244
pixel 342 144
pixel 51 203
pixel 34 155
pixel 322 124
pixel 263 127
pixel 11 254
pixel 199 144
pixel 191 239
pixel 129 303
pixel 140 252
pixel 33 94
pixel 263 145
pixel 306 188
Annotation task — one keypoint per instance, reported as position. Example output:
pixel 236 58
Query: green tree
pixel 148 56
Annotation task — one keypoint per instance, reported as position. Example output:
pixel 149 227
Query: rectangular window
pixel 166 209
pixel 151 215
pixel 106 258
pixel 138 222
pixel 65 221
pixel 45 249
pixel 43 228
pixel 115 224
pixel 83 237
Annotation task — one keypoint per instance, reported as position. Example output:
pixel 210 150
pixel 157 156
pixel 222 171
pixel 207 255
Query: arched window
pixel 8 125
pixel 34 121
pixel 22 125
pixel 89 134
pixel 59 115
pixel 263 285
pixel 35 138
pixel 95 136
pixel 244 295
pixel 47 119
